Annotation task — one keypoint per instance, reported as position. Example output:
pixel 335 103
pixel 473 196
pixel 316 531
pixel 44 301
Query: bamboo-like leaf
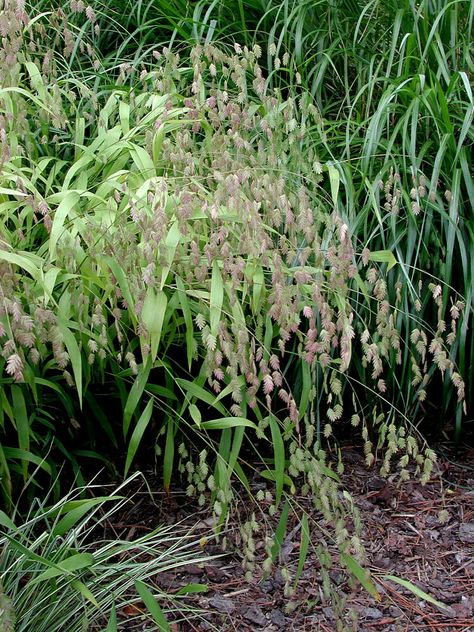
pixel 334 180
pixel 112 622
pixel 192 389
pixel 123 284
pixel 193 589
pixel 81 588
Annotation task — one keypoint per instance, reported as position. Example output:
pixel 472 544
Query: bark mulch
pixel 424 535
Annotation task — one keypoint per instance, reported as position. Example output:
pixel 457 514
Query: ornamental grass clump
pixel 59 571
pixel 177 271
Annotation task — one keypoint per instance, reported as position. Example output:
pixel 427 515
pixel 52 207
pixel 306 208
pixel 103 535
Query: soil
pixel 421 534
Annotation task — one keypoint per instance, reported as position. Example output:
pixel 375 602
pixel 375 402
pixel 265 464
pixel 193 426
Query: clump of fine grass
pixel 57 574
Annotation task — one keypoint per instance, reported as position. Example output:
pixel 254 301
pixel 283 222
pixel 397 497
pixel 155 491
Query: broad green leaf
pixel 23 261
pixel 334 180
pixel 195 414
pixel 192 589
pixel 306 388
pixel 360 574
pixel 270 475
pixel 152 606
pixel 76 510
pixel 384 256
pixel 81 588
pixel 191 389
pixel 74 355
pixel 143 161
pixel 23 455
pixel 112 622
pixel 65 207
pixel 137 434
pixel 28 95
pixel 6 522
pixel 123 285
pixel 258 282
pixel 171 243
pixel 152 315
pixel 69 566
pixel 49 281
pixel 227 422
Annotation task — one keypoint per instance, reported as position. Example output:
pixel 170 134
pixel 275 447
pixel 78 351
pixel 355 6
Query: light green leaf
pixel 81 588
pixel 112 622
pixel 279 457
pixel 421 594
pixel 65 207
pixel 123 285
pixel 152 315
pixel 21 422
pixel 171 243
pixel 227 422
pixel 192 589
pixel 360 574
pixel 74 355
pixel 334 180
pixel 191 389
pixel 75 510
pixel 280 530
pixel 76 562
pixel 23 262
pixel 384 256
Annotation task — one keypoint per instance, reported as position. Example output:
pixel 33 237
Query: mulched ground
pixel 402 534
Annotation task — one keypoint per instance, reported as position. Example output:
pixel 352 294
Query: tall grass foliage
pixel 212 250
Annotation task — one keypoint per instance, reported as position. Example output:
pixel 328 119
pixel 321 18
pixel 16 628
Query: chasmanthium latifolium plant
pixel 179 241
